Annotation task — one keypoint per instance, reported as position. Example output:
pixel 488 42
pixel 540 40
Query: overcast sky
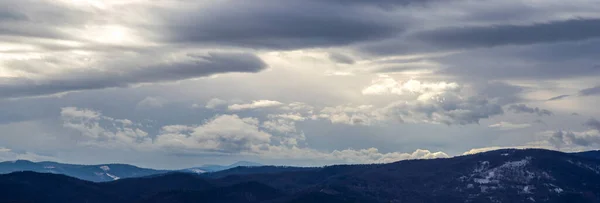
pixel 181 83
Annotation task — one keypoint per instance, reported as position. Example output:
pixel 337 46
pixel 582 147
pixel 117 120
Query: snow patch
pixel 505 154
pixel 113 176
pixel 594 168
pixel 49 167
pixel 487 179
pixel 105 168
pixel 558 190
pixel 195 170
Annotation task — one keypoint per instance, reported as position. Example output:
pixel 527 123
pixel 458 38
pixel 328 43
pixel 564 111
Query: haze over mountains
pixel 508 175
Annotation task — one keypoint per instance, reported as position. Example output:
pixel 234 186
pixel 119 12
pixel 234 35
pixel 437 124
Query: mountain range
pixel 509 175
pixel 104 172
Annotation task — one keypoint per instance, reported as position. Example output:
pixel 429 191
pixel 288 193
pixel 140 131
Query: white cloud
pixel 224 133
pixel 151 102
pixel 370 155
pixel 280 125
pixel 215 103
pixel 89 124
pixel 448 108
pixel 73 112
pixel 254 105
pixel 503 125
pixel 421 90
pixel 486 149
pixel 288 116
pixel 589 139
pixel 228 134
pixel 360 115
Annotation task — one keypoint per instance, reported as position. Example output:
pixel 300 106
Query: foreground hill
pixel 498 176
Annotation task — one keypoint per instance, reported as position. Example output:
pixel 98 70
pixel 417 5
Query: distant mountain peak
pixel 214 168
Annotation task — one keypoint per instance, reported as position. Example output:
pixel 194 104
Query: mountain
pixel 31 187
pixel 105 172
pixel 96 173
pixel 213 168
pixel 244 170
pixel 589 154
pixel 531 175
pixel 243 192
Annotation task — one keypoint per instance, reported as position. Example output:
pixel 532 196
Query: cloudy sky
pixel 180 83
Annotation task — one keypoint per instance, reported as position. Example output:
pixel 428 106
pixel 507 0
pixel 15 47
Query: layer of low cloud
pixel 254 105
pixel 509 126
pixel 223 134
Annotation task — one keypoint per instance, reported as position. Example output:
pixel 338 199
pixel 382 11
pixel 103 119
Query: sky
pixel 181 83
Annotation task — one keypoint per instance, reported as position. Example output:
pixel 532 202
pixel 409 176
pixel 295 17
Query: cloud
pixel 254 105
pixel 593 124
pixel 370 155
pixel 12 155
pixel 280 125
pixel 422 90
pixel 102 131
pixel 439 102
pixel 500 35
pixel 280 25
pixel 349 115
pixel 151 102
pixel 222 134
pixel 232 134
pixel 590 91
pixel 216 103
pixel 509 126
pixel 415 102
pixel 565 139
pixel 486 149
pixel 559 97
pixel 341 58
pixel 445 109
pixel 87 79
pixel 522 108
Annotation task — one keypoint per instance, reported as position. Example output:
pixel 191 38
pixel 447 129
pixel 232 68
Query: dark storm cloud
pixel 86 79
pixel 498 35
pixel 282 25
pixel 522 108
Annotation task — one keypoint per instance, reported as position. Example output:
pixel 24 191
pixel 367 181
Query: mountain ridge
pixel 508 175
